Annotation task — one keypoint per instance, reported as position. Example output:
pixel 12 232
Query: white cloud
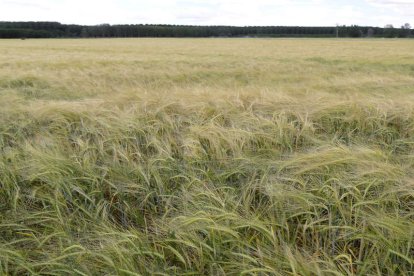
pixel 403 7
pixel 395 12
pixel 213 12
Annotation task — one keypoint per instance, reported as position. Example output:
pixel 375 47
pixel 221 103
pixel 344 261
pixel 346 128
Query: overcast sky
pixel 212 12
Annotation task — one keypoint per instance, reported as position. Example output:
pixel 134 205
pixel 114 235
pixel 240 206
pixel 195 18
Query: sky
pixel 212 12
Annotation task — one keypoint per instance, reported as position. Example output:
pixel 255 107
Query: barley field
pixel 207 157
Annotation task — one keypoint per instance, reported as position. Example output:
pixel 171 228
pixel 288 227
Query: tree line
pixel 58 30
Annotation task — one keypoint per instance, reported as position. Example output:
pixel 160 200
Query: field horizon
pixel 275 156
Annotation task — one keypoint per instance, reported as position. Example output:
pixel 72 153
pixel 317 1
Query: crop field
pixel 207 157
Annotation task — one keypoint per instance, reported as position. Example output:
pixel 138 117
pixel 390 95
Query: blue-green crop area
pixel 207 157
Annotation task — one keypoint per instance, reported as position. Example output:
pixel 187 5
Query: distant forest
pixel 58 30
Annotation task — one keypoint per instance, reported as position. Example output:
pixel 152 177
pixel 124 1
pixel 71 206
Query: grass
pixel 207 157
